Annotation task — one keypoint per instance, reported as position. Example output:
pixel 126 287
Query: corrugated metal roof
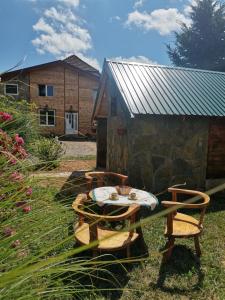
pixel 164 90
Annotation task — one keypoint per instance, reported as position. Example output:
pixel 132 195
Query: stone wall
pixel 164 151
pixel 117 142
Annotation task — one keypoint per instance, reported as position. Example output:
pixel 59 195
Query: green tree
pixel 202 44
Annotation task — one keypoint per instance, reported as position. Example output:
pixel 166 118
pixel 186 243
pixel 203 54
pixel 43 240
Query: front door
pixel 71 121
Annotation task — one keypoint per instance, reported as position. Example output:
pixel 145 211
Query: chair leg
pixel 128 251
pixel 95 253
pixel 197 246
pixel 168 249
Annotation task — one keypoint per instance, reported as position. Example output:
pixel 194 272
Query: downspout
pixel 78 97
pixel 64 101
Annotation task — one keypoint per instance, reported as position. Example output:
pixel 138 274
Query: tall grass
pixel 38 256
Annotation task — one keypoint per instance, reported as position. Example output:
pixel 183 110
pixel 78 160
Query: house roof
pixel 164 90
pixel 72 61
pixel 76 62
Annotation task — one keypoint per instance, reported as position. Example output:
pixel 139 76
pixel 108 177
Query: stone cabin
pixel 161 125
pixel 64 92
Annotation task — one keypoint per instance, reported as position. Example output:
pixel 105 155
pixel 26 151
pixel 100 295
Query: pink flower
pixel 19 150
pixel 29 191
pixel 19 140
pixel 13 161
pixel 8 231
pixel 5 116
pixel 27 209
pixel 16 176
pixel 15 244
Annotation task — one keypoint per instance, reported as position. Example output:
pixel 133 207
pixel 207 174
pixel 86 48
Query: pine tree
pixel 202 44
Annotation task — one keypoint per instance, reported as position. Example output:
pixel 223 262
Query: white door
pixel 71 121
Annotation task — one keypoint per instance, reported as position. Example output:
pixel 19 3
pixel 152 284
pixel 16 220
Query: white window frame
pixel 16 84
pixel 46 90
pixel 47 125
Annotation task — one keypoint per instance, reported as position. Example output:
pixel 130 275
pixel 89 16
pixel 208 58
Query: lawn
pixel 49 234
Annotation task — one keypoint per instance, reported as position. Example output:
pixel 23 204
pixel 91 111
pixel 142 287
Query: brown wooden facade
pixel 73 88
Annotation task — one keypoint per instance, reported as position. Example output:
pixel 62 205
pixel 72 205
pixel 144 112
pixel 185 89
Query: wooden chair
pixel 180 225
pixel 102 179
pixel 88 229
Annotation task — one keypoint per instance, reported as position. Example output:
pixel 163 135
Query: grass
pixel 184 277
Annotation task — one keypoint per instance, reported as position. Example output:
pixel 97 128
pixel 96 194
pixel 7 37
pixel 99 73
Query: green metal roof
pixel 164 90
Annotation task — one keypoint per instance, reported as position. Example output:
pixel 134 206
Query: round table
pixel 102 196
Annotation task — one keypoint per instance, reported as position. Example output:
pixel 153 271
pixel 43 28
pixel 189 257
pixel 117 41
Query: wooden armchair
pixel 180 225
pixel 103 178
pixel 88 229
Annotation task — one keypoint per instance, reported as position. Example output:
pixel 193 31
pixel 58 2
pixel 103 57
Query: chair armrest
pixel 81 198
pixel 196 194
pixel 177 205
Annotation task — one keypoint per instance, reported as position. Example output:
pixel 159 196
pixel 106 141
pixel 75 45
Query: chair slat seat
pixel 89 228
pixel 109 239
pixel 184 226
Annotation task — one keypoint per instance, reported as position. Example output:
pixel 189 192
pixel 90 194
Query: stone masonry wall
pixel 117 142
pixel 164 151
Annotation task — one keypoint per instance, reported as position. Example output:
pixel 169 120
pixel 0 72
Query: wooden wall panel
pixel 216 149
pixel 86 102
pixel 71 90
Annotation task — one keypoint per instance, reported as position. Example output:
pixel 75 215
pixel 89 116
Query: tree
pixel 202 44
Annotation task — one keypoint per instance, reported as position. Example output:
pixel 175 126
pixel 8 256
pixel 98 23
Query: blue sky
pixel 39 31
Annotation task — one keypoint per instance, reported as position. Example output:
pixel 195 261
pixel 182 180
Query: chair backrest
pixel 94 219
pixel 98 179
pixel 174 205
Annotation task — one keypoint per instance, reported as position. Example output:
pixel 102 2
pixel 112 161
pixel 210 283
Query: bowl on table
pixel 124 190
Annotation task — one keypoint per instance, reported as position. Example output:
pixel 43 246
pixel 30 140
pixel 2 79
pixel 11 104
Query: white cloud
pixel 138 3
pixel 164 21
pixel 139 58
pixel 61 16
pixel 115 18
pixel 62 33
pixel 74 3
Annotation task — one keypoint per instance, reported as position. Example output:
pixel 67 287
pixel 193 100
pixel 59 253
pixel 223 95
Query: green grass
pixel 184 277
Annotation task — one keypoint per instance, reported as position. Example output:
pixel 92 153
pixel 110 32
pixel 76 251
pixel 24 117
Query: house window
pixel 113 107
pixel 11 89
pixel 45 90
pixel 47 117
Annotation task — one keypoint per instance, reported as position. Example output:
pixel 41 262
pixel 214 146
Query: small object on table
pixel 114 196
pixel 123 190
pixel 132 196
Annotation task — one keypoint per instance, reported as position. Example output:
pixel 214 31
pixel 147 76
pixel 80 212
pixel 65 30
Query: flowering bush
pixel 14 190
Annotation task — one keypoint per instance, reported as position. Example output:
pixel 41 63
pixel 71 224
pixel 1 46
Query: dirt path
pixel 79 149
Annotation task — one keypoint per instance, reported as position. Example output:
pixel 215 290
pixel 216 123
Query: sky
pixel 39 31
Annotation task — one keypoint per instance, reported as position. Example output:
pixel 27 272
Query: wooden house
pixel 64 92
pixel 161 125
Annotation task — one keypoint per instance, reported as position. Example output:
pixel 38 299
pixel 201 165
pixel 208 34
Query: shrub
pixel 23 119
pixel 48 151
